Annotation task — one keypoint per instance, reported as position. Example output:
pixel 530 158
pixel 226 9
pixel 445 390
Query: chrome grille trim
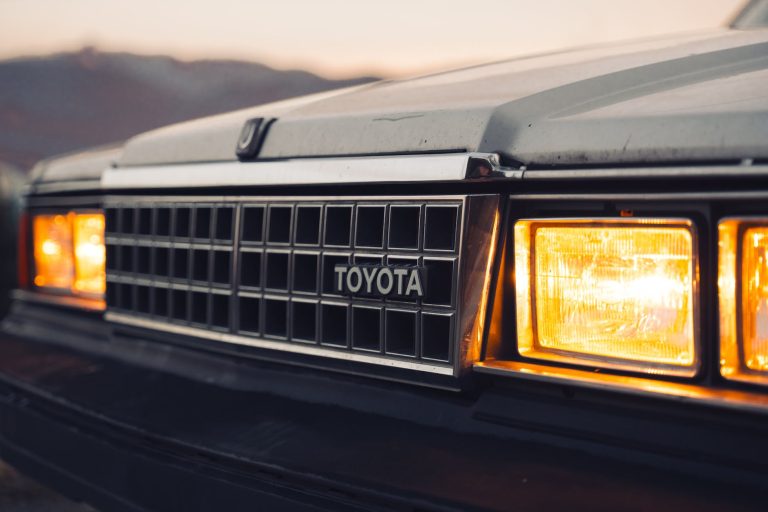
pixel 279 345
pixel 276 286
pixel 302 171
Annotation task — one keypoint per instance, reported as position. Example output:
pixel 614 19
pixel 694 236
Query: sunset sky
pixel 338 38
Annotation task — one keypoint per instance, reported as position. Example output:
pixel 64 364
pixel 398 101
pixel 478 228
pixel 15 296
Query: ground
pixel 21 494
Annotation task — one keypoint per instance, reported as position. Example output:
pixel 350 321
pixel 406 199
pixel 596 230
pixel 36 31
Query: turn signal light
pixel 743 290
pixel 69 253
pixel 608 293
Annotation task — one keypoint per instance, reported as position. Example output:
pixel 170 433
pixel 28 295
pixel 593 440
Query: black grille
pixel 265 270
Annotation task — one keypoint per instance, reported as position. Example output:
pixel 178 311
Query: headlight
pixel 743 289
pixel 54 260
pixel 69 253
pixel 88 236
pixel 608 293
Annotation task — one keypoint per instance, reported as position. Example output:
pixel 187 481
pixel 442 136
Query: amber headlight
pixel 69 254
pixel 54 260
pixel 90 258
pixel 608 293
pixel 743 290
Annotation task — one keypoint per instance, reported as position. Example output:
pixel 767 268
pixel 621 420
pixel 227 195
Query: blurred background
pixel 81 73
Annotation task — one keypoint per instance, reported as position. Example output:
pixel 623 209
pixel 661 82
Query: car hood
pixel 81 170
pixel 692 97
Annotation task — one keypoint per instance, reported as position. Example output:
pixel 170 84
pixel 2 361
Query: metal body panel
pixel 681 393
pixel 76 171
pixel 584 106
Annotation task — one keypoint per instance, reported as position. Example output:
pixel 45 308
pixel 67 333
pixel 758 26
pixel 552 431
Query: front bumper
pixel 132 424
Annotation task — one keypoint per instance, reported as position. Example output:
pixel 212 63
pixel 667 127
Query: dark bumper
pixel 130 424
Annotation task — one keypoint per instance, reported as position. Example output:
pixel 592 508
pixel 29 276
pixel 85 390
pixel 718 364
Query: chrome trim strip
pixel 130 200
pixel 649 196
pixel 59 300
pixel 638 386
pixel 479 235
pixel 310 171
pixel 270 344
pixel 649 172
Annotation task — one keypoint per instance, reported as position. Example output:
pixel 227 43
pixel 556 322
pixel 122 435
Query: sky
pixel 344 38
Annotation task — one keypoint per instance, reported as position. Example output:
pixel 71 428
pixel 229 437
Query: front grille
pixel 264 269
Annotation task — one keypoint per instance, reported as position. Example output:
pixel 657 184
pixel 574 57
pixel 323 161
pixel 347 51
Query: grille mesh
pixel 265 270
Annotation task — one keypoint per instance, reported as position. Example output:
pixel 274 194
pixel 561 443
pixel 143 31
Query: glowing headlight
pixel 69 253
pixel 608 293
pixel 88 235
pixel 54 262
pixel 743 290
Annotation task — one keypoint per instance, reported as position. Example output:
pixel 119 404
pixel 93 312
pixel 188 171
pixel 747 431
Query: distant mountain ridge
pixel 63 102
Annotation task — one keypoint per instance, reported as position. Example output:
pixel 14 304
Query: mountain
pixel 63 102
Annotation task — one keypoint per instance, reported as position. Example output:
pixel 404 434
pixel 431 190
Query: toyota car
pixel 539 284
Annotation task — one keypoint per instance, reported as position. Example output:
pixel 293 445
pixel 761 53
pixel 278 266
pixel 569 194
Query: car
pixel 535 284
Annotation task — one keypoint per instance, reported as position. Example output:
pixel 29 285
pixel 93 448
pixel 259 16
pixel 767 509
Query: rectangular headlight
pixel 69 253
pixel 743 291
pixel 54 260
pixel 612 293
pixel 90 253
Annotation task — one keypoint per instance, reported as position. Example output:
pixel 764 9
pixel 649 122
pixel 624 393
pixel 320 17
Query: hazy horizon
pixel 338 39
pixel 96 50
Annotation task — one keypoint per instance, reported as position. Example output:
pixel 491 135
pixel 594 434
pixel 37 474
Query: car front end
pixel 531 285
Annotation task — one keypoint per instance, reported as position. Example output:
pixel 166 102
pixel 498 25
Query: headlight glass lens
pixel 69 253
pixel 615 294
pixel 755 297
pixel 743 290
pixel 54 260
pixel 90 253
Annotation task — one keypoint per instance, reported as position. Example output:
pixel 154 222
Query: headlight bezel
pixel 501 355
